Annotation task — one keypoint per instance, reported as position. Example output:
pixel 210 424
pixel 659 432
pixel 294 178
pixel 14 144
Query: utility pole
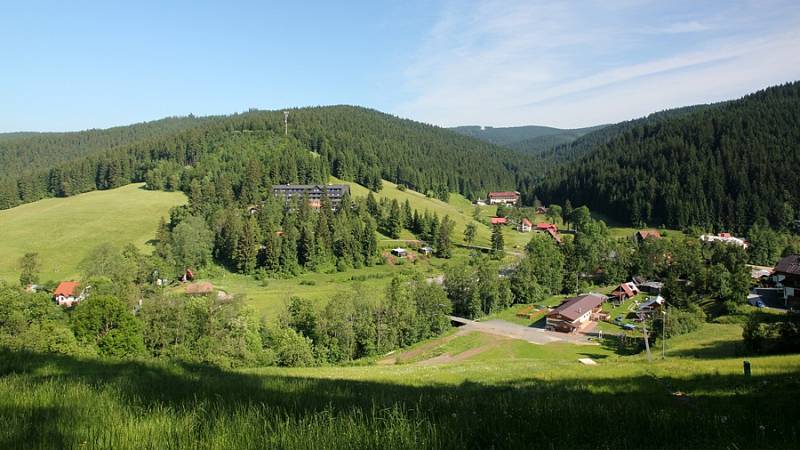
pixel 646 342
pixel 664 332
pixel 286 123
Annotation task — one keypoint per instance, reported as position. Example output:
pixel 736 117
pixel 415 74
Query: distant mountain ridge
pixel 531 139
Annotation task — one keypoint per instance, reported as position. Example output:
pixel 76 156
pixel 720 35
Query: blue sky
pixel 77 65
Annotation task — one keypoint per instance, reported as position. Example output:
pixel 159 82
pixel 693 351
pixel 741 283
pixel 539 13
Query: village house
pixel 313 192
pixel 625 291
pixel 650 306
pixel 525 225
pixel 67 293
pixel 575 313
pixel 499 221
pixel 642 235
pixel 787 278
pixel 724 238
pixel 427 251
pixel 505 198
pixel 551 229
pixel 541 210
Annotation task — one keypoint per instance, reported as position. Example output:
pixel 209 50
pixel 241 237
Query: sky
pixel 81 64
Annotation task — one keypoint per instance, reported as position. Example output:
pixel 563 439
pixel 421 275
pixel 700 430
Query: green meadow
pixel 513 395
pixel 64 230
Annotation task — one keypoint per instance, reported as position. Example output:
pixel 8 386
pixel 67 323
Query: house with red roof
pixel 499 221
pixel 554 234
pixel 67 293
pixel 505 198
pixel 525 225
pixel 625 291
pixel 551 229
pixel 641 235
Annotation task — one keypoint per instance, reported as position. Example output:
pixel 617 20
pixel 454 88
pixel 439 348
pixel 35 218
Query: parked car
pixel 629 326
pixel 618 320
pixel 760 304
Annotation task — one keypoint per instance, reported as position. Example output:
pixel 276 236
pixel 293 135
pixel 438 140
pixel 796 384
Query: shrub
pixel 766 333
pixel 679 321
pixel 291 348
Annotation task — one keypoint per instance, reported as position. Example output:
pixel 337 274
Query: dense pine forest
pixel 355 144
pixel 725 166
pixel 27 152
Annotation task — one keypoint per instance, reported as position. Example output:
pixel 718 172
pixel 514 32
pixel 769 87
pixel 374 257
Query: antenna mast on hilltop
pixel 286 123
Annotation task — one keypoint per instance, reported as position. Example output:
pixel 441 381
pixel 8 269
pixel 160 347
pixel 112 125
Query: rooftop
pixel 574 307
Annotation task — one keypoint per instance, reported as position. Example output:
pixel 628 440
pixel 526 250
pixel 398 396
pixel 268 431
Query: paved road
pixel 514 331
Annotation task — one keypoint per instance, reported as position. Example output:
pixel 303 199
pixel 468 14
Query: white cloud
pixel 510 63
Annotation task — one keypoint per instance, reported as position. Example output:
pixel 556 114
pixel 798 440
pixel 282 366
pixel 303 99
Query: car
pixel 760 304
pixel 618 320
pixel 629 326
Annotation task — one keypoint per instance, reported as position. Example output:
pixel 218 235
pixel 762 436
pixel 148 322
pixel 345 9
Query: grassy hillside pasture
pixel 63 230
pixel 457 207
pixel 270 299
pixel 513 396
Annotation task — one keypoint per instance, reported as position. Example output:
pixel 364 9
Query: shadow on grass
pixel 711 350
pixel 282 406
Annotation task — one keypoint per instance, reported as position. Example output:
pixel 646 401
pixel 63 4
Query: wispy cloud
pixel 508 62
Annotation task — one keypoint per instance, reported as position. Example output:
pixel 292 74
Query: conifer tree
pixel 498 251
pixel 247 246
pixel 444 241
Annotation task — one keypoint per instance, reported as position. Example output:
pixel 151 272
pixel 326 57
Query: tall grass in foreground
pixel 59 402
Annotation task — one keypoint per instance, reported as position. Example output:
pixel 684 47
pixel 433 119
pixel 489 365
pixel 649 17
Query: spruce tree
pixel 498 251
pixel 247 246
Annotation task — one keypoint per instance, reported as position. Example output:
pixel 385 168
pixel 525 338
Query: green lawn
pixel 64 230
pixel 509 395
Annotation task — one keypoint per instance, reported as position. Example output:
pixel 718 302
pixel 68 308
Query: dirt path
pixel 514 331
pixel 448 358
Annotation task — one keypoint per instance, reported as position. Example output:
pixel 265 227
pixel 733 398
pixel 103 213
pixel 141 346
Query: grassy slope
pixel 458 208
pixel 516 395
pixel 63 230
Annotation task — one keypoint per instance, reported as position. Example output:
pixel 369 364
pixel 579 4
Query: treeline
pixel 129 313
pixel 354 324
pixel 723 167
pixel 352 143
pixel 22 153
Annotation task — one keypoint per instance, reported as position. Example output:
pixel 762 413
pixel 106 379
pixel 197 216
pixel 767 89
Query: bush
pixel 107 324
pixel 765 333
pixel 679 321
pixel 291 348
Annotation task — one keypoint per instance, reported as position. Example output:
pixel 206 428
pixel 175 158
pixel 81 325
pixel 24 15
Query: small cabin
pixel 400 252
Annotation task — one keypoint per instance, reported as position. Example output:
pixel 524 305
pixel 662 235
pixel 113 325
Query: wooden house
pixel 575 313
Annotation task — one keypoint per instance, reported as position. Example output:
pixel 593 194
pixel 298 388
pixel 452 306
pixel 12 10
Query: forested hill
pixel 27 152
pixel 353 143
pixel 597 136
pixel 532 139
pixel 723 166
